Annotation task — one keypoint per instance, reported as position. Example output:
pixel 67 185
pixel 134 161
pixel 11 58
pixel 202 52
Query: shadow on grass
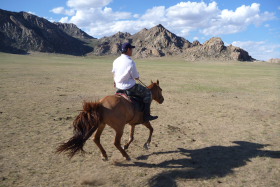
pixel 205 163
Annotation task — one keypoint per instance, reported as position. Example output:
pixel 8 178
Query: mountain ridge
pixel 23 32
pixel 159 42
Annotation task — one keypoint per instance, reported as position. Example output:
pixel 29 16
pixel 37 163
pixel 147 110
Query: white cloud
pixel 156 15
pixel 58 10
pixel 84 4
pixel 98 19
pixel 136 16
pixel 195 38
pixel 260 50
pixel 61 10
pixel 229 21
pixel 64 20
pixel 193 12
pixel 31 12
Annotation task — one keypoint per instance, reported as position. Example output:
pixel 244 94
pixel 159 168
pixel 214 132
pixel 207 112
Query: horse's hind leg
pixel 131 137
pixel 149 126
pixel 96 140
pixel 117 143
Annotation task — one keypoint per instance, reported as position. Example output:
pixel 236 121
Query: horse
pixel 115 111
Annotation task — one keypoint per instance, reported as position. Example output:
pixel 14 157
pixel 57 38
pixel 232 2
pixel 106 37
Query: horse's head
pixel 156 92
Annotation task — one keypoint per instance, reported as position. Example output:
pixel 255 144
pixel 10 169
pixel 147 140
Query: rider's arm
pixel 134 72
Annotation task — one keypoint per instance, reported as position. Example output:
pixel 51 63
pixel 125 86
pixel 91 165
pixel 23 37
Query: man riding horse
pixel 125 74
pixel 114 110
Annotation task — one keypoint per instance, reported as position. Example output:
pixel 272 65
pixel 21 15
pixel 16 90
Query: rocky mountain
pixel 214 49
pixel 155 42
pixel 72 30
pixel 158 42
pixel 22 32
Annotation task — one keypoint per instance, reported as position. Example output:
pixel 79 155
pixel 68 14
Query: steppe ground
pixel 219 124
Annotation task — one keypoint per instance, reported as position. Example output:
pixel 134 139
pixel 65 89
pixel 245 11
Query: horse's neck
pixel 153 92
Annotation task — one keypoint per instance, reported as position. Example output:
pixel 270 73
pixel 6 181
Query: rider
pixel 125 74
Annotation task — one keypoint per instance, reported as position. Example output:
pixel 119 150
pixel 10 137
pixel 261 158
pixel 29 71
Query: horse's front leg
pixel 131 137
pixel 149 126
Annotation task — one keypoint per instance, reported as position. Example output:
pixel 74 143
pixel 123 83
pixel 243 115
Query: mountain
pixel 155 42
pixel 158 42
pixel 22 32
pixel 214 49
pixel 72 30
pixel 110 45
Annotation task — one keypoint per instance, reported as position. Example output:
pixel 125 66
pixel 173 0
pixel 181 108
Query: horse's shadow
pixel 205 163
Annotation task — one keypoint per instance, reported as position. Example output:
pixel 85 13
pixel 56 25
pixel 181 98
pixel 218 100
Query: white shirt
pixel 125 72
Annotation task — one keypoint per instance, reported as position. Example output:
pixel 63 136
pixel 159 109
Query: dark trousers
pixel 142 92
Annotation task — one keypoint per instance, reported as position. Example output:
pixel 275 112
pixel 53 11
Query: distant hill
pixel 159 42
pixel 22 32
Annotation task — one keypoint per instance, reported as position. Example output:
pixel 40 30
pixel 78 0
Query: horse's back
pixel 116 109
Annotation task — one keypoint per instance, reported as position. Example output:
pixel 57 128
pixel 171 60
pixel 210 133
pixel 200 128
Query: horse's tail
pixel 84 126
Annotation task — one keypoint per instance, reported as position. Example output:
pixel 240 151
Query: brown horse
pixel 115 111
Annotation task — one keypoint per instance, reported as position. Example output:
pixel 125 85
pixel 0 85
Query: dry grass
pixel 219 124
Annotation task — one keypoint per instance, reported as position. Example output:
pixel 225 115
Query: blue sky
pixel 253 25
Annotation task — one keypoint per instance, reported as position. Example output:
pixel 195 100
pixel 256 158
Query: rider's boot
pixel 147 113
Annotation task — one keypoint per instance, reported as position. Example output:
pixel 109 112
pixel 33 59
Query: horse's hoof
pixel 105 158
pixel 146 146
pixel 125 147
pixel 128 158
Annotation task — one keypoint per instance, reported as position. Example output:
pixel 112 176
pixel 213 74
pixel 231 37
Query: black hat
pixel 126 46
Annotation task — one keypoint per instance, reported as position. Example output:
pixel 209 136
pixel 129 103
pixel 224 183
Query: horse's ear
pixel 157 82
pixel 152 82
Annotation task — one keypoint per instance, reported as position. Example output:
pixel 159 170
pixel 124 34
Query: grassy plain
pixel 219 124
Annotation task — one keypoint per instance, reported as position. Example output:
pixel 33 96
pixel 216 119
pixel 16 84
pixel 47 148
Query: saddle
pixel 137 101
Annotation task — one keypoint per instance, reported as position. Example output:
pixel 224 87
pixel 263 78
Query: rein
pixel 142 83
pixel 145 86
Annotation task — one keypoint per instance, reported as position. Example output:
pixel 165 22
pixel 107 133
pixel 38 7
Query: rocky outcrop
pixel 236 53
pixel 274 60
pixel 23 32
pixel 214 49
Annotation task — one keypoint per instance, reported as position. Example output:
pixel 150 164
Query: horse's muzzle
pixel 161 100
